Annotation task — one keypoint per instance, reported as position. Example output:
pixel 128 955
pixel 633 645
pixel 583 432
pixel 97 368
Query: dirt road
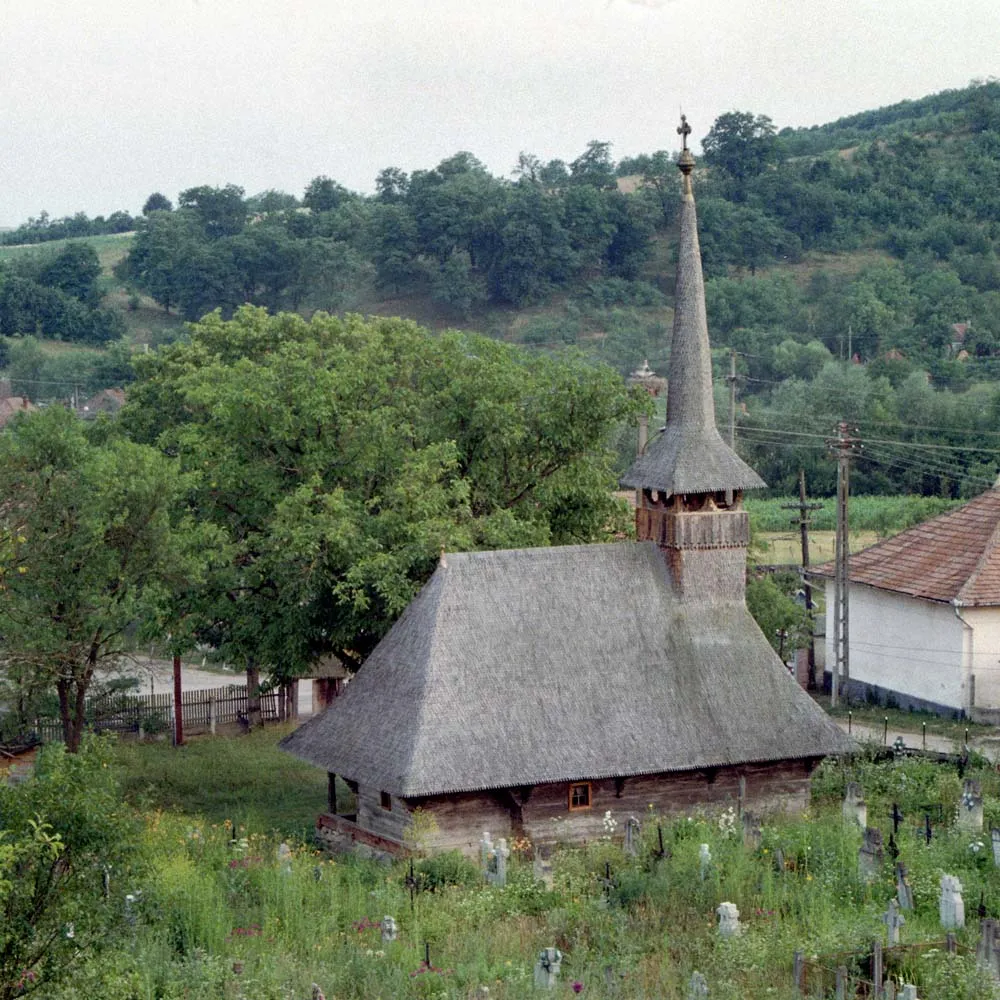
pixel 157 677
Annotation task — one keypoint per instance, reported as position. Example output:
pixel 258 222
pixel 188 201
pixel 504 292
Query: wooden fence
pixel 150 714
pixel 866 973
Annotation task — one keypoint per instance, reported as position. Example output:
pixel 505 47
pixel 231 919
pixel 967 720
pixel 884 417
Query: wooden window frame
pixel 385 801
pixel 590 798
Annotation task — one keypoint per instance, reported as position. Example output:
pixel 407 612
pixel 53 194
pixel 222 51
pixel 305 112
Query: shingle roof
pixel 952 557
pixel 689 456
pixel 529 666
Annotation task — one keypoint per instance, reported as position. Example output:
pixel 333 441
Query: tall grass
pixel 223 914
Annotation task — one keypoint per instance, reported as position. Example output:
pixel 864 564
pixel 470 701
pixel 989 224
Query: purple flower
pixel 577 986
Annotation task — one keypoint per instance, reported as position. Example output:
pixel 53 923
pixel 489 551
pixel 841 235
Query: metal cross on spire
pixel 684 130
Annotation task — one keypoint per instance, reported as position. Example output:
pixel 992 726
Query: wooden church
pixel 530 692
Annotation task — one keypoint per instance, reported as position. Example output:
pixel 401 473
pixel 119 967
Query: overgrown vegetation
pixel 219 912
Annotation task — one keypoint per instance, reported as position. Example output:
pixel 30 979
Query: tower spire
pixel 690 456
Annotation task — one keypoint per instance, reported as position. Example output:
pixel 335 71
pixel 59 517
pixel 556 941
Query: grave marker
pixel 632 837
pixel 970 807
pixel 904 892
pixel 854 809
pixel 697 987
pixel 729 920
pixel 893 921
pixel 542 865
pixel 285 858
pixel 995 839
pixel 547 968
pixel 988 949
pixel 870 854
pixel 751 831
pixel 951 907
pixel 704 861
pixel 389 930
pixel 897 818
pixel 493 859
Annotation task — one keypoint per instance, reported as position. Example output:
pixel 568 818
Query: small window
pixel 385 800
pixel 579 795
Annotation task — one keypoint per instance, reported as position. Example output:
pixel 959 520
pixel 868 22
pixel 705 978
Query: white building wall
pixel 985 624
pixel 904 644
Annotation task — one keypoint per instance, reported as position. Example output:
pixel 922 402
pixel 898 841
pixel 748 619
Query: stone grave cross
pixel 970 808
pixel 632 831
pixel 893 921
pixel 547 968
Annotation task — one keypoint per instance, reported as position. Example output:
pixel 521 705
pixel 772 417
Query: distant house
pixel 108 401
pixel 10 406
pixel 924 611
pixel 530 692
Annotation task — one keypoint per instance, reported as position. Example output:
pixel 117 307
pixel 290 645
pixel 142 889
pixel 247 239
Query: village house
pixel 532 692
pixel 925 614
pixel 11 405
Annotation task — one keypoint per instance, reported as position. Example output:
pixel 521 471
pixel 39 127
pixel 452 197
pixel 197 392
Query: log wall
pixel 542 813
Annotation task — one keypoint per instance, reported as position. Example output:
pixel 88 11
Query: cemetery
pixel 888 885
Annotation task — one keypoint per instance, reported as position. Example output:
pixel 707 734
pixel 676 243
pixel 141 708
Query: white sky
pixel 105 101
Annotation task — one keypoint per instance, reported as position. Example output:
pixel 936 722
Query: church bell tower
pixel 689 481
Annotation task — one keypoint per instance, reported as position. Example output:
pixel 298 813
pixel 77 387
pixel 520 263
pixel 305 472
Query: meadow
pixel 223 911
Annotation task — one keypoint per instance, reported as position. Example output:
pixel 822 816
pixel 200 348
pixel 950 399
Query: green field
pixel 778 548
pixel 110 249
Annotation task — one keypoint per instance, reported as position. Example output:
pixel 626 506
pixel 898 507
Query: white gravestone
pixel 704 861
pixel 970 807
pixel 547 968
pixel 951 906
pixel 285 858
pixel 995 839
pixel 494 860
pixel 854 808
pixel 729 920
pixel 389 930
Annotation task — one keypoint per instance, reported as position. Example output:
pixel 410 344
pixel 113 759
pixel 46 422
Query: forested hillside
pixel 852 267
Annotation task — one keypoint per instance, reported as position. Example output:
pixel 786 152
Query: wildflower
pixel 577 986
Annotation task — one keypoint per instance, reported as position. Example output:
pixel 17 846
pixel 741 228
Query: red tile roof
pixel 952 557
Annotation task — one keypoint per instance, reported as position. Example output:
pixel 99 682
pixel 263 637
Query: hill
pixel 872 240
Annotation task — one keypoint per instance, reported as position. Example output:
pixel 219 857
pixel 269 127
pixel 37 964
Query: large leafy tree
pixel 337 458
pixel 89 545
pixel 743 145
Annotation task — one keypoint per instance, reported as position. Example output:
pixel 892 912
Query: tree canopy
pixel 338 457
pixel 90 544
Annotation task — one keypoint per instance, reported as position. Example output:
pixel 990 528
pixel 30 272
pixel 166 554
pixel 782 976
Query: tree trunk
pixel 253 695
pixel 62 689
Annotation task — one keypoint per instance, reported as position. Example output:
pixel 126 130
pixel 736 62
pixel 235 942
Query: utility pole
pixel 843 446
pixel 802 522
pixel 731 379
